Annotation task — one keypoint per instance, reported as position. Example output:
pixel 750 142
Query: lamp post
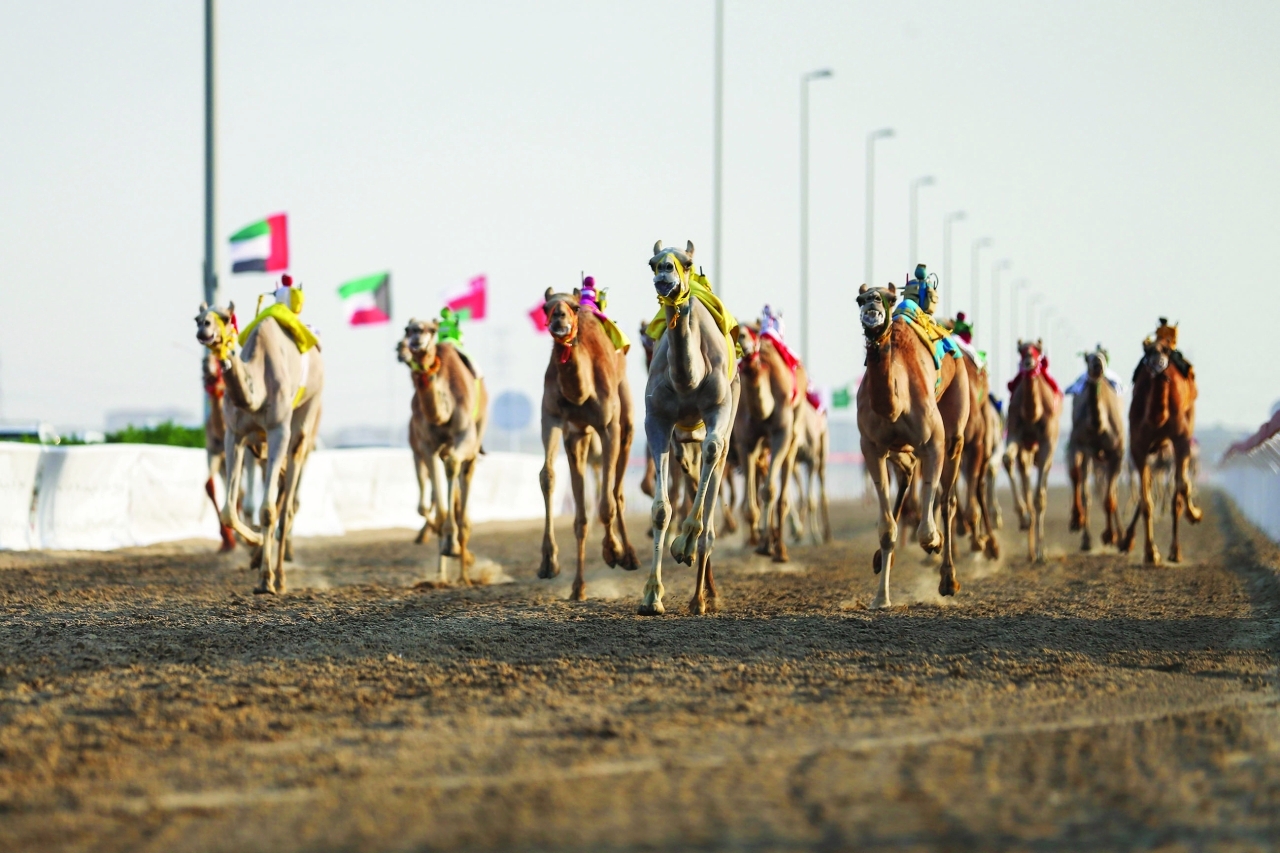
pixel 947 283
pixel 1032 326
pixel 995 358
pixel 975 292
pixel 210 189
pixel 914 241
pixel 717 183
pixel 1014 291
pixel 872 138
pixel 820 74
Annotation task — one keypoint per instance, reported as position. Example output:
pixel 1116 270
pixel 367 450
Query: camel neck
pixel 433 393
pixel 573 371
pixel 245 380
pixel 685 363
pixel 879 378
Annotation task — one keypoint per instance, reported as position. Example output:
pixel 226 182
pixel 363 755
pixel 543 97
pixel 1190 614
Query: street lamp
pixel 1031 315
pixel 1014 291
pixel 995 359
pixel 975 292
pixel 914 241
pixel 820 74
pixel 872 138
pixel 717 193
pixel 1045 323
pixel 947 283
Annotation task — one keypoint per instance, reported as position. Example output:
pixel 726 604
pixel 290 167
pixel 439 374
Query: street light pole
pixel 995 358
pixel 718 182
pixel 872 137
pixel 1031 315
pixel 1014 290
pixel 820 74
pixel 947 284
pixel 210 195
pixel 914 241
pixel 975 292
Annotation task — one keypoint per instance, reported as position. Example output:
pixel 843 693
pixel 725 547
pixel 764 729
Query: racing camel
pixel 981 444
pixel 1035 403
pixel 273 388
pixel 1163 410
pixel 692 384
pixel 584 395
pixel 446 431
pixel 1097 440
pixel 910 403
pixel 772 400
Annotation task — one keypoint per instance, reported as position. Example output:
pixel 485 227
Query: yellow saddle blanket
pixel 293 327
pixel 616 336
pixel 725 322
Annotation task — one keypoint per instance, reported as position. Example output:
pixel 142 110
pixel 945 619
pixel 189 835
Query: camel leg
pixel 1182 465
pixel 698 535
pixel 659 437
pixel 551 432
pixel 628 558
pixel 823 504
pixel 752 495
pixel 230 515
pixel 1044 461
pixel 277 451
pixel 1011 455
pixel 931 464
pixel 443 478
pixel 986 497
pixel 1144 511
pixel 576 447
pixel 1111 503
pixel 971 467
pixel 289 504
pixel 610 441
pixel 1079 482
pixel 468 469
pixel 772 526
pixel 1082 499
pixel 218 470
pixel 728 499
pixel 422 468
pixel 993 500
pixel 947 583
pixel 888 526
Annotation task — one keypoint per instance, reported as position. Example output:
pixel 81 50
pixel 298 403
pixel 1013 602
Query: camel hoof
pixel 877 562
pixel 654 609
pixel 781 556
pixel 421 538
pixel 579 591
pixel 549 568
pixel 933 547
pixel 1176 556
pixel 263 590
pixel 948 586
pixel 1086 544
pixel 879 603
pixel 1194 514
pixel 682 549
pixel 993 549
pixel 630 562
pixel 610 553
pixel 763 549
pixel 697 606
pixel 1108 538
pixel 1152 558
pixel 975 546
pixel 1125 546
pixel 1024 524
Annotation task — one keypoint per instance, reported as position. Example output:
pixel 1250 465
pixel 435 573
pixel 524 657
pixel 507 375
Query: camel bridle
pixel 683 291
pixel 883 336
pixel 222 344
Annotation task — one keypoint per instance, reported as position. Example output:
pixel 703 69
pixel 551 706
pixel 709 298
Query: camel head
pixel 562 314
pixel 671 268
pixel 418 346
pixel 1029 355
pixel 748 339
pixel 214 328
pixel 1155 355
pixel 648 343
pixel 1096 363
pixel 875 310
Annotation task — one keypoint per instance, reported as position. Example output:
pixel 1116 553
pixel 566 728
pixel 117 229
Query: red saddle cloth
pixel 1041 369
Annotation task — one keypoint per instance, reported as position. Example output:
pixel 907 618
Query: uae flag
pixel 472 300
pixel 367 300
pixel 262 246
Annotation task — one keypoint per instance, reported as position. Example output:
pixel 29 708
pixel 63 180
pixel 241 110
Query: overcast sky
pixel 1122 156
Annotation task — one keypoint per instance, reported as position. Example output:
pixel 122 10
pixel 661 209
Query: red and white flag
pixel 473 299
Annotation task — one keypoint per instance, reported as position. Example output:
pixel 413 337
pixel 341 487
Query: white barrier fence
pixel 1253 482
pixel 112 496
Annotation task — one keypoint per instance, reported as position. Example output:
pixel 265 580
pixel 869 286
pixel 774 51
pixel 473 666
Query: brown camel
pixel 585 392
pixel 774 398
pixel 215 439
pixel 812 447
pixel 1034 406
pixel 273 390
pixel 1163 410
pixel 1097 439
pixel 980 447
pixel 446 434
pixel 692 384
pixel 907 405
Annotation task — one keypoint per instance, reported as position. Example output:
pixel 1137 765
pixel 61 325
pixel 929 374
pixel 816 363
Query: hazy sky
pixel 1123 156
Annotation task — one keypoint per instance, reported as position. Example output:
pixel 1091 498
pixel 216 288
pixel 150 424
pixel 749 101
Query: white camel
pixel 272 390
pixel 692 384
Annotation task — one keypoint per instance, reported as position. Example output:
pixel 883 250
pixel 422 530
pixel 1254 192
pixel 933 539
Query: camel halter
pixel 222 345
pixel 684 293
pixel 567 345
pixel 427 371
pixel 888 325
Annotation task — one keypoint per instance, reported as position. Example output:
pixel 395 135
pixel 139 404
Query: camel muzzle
pixel 872 316
pixel 666 287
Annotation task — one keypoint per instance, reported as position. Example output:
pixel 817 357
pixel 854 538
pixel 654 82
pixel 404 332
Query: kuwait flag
pixel 472 300
pixel 262 246
pixel 367 300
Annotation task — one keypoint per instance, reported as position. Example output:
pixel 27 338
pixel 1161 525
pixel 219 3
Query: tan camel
pixel 774 398
pixel 585 393
pixel 215 439
pixel 692 383
pixel 812 445
pixel 1097 439
pixel 906 404
pixel 980 447
pixel 272 390
pixel 1163 410
pixel 1035 404
pixel 446 433
pixel 684 483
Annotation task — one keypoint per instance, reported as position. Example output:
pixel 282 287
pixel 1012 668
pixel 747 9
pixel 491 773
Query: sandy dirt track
pixel 148 701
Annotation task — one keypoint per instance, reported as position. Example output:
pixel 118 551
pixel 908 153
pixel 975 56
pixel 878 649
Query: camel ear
pixel 893 291
pixel 688 250
pixel 1040 344
pixel 204 306
pixel 231 308
pixel 863 289
pixel 1020 343
pixel 577 293
pixel 546 297
pixel 657 247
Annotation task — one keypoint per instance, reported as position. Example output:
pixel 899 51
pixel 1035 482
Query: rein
pixel 567 345
pixel 682 296
pixel 222 345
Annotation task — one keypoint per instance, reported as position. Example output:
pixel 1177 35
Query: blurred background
pixel 1119 156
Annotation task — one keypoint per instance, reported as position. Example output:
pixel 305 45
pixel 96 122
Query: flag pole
pixel 210 195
